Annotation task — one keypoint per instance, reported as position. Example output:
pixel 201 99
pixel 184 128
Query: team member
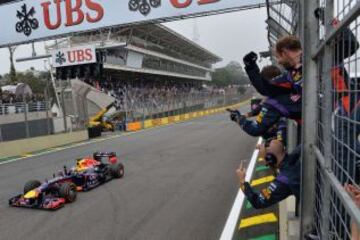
pixel 285 184
pixel 270 122
pixel 255 107
pixel 285 89
pixel 288 53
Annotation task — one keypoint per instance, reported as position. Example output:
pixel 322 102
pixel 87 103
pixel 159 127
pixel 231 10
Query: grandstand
pixel 147 69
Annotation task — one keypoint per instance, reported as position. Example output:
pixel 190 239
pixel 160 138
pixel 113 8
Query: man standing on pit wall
pixel 288 51
pixel 286 183
pixel 285 89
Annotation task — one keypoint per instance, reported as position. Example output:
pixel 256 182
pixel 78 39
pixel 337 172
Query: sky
pixel 229 36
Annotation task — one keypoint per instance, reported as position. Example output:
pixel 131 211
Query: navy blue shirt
pixel 287 183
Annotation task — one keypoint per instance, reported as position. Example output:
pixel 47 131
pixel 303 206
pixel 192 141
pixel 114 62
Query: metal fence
pixel 331 92
pixel 331 110
pixel 150 108
pixel 24 120
pixel 21 107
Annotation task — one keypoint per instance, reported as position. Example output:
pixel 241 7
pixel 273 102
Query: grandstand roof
pixel 155 33
pixel 171 38
pixel 282 19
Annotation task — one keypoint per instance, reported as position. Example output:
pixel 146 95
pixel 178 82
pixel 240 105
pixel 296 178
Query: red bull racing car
pixel 54 193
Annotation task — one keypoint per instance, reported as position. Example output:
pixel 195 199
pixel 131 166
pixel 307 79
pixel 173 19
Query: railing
pixel 332 96
pixel 331 111
pixel 21 107
pixel 168 106
pixel 25 120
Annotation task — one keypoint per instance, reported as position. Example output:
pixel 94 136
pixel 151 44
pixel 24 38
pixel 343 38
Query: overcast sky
pixel 230 36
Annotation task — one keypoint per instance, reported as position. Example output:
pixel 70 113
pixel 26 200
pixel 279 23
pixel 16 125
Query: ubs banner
pixel 29 20
pixel 73 56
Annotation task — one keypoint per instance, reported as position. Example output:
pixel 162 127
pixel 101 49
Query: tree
pixel 231 74
pixel 12 74
pixel 36 82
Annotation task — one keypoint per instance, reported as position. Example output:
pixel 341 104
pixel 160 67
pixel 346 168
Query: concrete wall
pixel 20 117
pixel 59 127
pixel 24 146
pixel 17 130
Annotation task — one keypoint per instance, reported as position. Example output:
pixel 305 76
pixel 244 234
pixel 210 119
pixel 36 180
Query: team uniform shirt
pixel 285 90
pixel 269 123
pixel 287 183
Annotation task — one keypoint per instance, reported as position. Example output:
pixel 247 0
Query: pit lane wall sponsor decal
pixel 73 56
pixel 29 20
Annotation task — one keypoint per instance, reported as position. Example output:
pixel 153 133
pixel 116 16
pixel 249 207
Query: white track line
pixel 232 220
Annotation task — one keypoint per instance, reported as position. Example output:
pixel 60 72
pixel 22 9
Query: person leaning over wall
pixel 269 123
pixel 286 183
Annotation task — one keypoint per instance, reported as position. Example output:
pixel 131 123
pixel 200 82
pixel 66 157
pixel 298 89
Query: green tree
pixel 231 74
pixel 36 82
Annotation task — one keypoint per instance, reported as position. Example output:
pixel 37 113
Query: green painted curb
pixel 265 237
pixel 248 205
pixel 261 168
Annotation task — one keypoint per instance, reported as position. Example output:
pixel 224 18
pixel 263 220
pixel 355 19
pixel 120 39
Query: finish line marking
pixel 232 220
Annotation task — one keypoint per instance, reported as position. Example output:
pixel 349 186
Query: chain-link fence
pixel 336 147
pixel 167 106
pixel 329 30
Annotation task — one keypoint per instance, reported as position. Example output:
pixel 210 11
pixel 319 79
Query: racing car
pixel 54 193
pixel 51 194
pixel 91 172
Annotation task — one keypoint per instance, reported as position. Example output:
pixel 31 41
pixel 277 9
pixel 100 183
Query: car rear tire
pixel 68 192
pixel 117 170
pixel 31 185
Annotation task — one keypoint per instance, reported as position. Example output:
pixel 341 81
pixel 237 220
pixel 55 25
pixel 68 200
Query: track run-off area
pixel 179 183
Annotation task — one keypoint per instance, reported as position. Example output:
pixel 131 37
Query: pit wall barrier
pixel 151 123
pixel 25 146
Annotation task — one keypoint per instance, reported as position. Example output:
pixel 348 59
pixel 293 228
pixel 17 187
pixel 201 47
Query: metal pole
pixel 310 114
pixel 63 106
pixel 27 130
pixel 126 109
pixel 326 116
pixel 53 82
pixel 1 138
pixel 47 106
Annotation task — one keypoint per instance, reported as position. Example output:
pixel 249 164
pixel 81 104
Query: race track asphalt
pixel 179 183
